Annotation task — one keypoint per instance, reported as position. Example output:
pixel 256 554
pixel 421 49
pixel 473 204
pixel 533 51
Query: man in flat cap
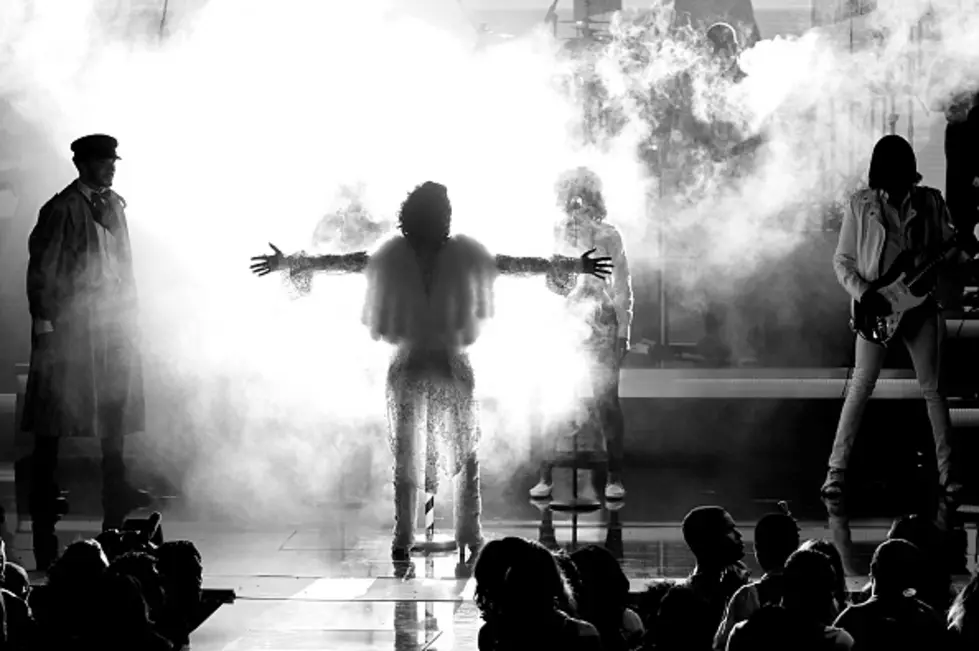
pixel 85 377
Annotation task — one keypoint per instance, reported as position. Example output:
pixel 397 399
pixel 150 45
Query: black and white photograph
pixel 489 325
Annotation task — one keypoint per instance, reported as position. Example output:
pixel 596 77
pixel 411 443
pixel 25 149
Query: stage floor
pixel 328 582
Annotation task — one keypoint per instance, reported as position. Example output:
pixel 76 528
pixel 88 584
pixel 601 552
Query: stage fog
pixel 244 122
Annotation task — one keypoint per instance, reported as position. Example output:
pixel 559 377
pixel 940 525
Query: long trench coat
pixel 85 377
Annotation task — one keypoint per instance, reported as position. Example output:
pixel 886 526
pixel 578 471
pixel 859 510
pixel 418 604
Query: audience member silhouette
pixel 776 538
pixel 64 609
pixel 124 620
pixel 490 569
pixel 809 603
pixel 604 599
pixel 182 574
pixel 527 613
pixel 937 590
pixel 840 592
pixel 142 567
pixel 691 611
pixel 893 618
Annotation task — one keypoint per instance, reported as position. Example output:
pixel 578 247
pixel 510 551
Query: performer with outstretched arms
pixel 428 293
pixel 579 193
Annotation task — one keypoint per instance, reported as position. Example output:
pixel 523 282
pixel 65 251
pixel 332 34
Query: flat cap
pixel 95 146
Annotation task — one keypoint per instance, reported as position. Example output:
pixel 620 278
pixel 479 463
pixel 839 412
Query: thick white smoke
pixel 243 125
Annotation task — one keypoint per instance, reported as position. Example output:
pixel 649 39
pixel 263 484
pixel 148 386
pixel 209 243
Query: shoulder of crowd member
pixel 847 619
pixel 838 639
pixel 587 636
pixel 743 595
pixel 735 639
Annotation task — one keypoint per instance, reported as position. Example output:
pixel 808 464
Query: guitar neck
pixel 930 264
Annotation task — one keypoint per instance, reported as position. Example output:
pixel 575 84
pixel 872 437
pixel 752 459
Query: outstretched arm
pixel 301 266
pixel 517 266
pixel 300 263
pixel 588 264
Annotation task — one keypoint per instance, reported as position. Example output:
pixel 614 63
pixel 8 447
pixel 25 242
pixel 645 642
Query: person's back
pixel 892 622
pixel 525 613
pixel 892 616
pixel 773 628
pixel 555 631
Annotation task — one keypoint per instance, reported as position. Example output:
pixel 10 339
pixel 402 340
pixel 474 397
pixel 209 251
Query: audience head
pixel 602 579
pixel 919 531
pixel 533 586
pixel 180 565
pixel 16 580
pixel 810 586
pixel 896 568
pixel 141 567
pixel 604 594
pixel 776 537
pixel 712 536
pixel 81 565
pixel 490 569
pixel 829 550
pixel 936 578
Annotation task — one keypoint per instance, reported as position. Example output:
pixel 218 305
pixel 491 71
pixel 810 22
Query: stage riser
pixel 767 441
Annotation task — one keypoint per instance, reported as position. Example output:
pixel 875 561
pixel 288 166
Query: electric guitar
pixel 903 288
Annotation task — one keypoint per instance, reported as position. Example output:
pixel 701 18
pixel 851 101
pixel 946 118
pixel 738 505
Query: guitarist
pixel 892 216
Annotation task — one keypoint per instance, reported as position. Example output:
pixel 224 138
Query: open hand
pixel 600 267
pixel 263 265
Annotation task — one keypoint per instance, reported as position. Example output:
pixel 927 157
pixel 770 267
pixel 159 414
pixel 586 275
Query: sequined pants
pixel 432 406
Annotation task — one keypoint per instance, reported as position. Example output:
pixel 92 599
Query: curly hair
pixel 581 187
pixel 426 214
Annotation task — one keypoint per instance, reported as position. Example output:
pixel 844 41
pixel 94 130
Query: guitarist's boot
pixel 835 483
